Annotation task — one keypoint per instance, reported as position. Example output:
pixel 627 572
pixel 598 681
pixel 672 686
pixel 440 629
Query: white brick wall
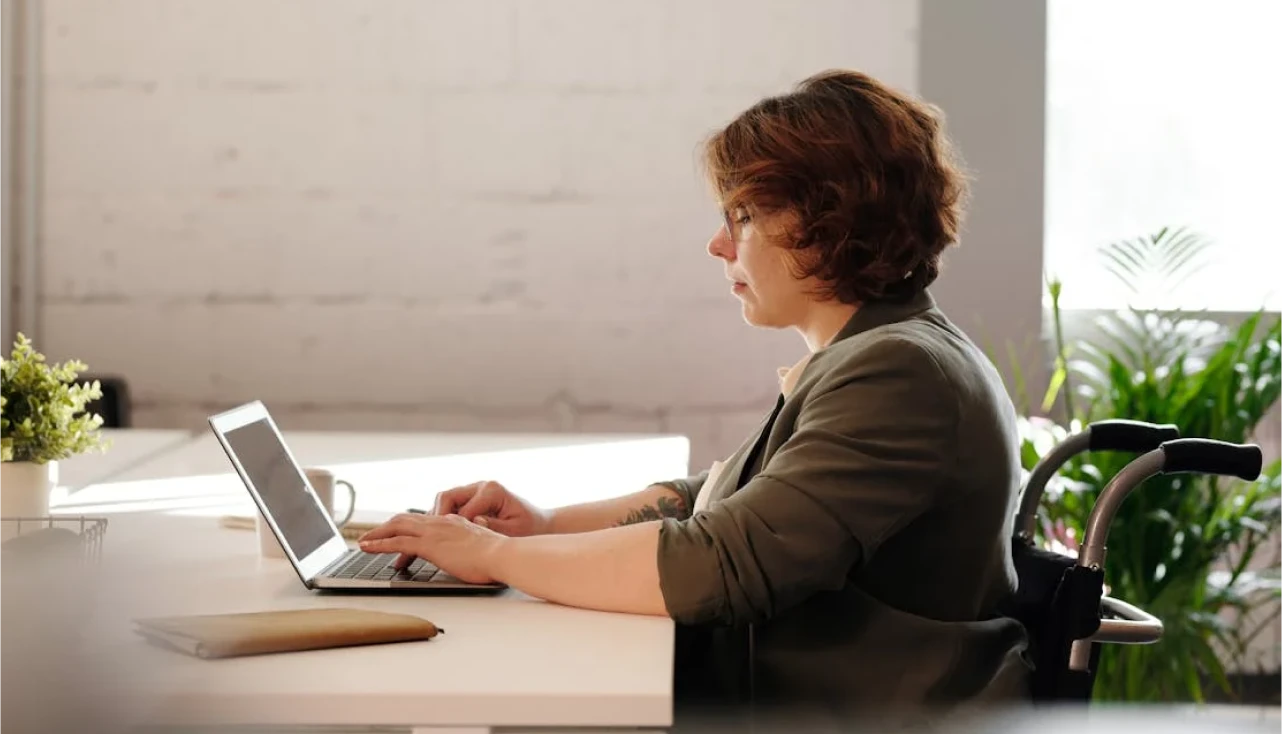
pixel 471 215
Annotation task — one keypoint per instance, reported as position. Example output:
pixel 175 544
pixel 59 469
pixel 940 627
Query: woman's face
pixel 752 247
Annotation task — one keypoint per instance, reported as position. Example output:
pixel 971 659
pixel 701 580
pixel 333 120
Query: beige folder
pixel 256 633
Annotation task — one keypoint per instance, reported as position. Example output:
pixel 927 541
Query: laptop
pixel 299 520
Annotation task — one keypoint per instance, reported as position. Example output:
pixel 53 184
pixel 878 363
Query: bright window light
pixel 1165 113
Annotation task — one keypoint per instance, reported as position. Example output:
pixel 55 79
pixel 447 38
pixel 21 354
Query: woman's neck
pixel 823 323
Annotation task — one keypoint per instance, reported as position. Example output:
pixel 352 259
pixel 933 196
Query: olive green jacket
pixel 854 550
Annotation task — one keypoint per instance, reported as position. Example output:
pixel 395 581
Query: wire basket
pixel 90 529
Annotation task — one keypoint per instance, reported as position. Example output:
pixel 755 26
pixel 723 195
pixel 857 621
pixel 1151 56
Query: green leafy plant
pixel 1181 546
pixel 42 408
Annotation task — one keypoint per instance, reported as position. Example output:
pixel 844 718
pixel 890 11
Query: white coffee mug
pixel 323 483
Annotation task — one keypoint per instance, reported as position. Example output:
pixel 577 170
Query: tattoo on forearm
pixel 665 507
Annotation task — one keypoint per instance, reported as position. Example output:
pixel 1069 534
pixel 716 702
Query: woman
pixel 850 556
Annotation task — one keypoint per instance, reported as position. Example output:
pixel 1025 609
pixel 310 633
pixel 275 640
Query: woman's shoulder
pixel 923 341
pixel 925 348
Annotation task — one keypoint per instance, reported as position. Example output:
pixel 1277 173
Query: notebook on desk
pixel 306 531
pixel 288 630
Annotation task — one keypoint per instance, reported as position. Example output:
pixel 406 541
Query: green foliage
pixel 1180 545
pixel 42 409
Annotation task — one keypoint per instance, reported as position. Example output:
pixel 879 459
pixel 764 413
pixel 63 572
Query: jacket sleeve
pixel 687 489
pixel 872 446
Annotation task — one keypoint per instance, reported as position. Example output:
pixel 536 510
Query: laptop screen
pixel 297 512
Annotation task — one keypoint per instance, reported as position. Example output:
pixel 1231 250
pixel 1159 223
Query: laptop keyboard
pixel 378 567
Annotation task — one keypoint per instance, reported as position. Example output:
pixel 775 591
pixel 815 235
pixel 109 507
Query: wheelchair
pixel 1060 599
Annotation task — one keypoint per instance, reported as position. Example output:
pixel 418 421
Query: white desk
pixel 504 660
pixel 129 447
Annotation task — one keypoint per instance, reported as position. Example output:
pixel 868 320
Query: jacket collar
pixel 879 313
pixel 868 317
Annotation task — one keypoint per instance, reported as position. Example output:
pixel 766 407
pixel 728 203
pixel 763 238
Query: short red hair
pixel 867 170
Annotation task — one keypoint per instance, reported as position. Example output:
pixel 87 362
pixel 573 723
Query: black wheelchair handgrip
pixel 1209 456
pixel 1134 436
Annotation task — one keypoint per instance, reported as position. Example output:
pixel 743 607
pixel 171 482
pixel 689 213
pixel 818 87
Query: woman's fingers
pixel 449 501
pixel 399 525
pixel 502 526
pixel 397 544
pixel 487 500
pixel 408 529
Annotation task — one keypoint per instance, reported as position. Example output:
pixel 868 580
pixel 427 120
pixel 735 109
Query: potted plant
pixel 1186 548
pixel 42 421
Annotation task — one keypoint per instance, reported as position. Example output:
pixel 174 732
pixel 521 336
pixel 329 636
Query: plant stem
pixel 1061 360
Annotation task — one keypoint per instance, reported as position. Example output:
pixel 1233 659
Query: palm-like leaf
pixel 1153 265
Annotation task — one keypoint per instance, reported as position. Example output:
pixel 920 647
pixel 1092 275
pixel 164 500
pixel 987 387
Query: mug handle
pixel 351 505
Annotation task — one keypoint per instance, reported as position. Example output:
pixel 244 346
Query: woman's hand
pixel 458 547
pixel 613 570
pixel 491 505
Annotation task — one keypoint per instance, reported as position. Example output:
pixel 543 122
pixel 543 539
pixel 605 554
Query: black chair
pixel 1061 599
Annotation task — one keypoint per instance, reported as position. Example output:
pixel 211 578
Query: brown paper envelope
pixel 256 633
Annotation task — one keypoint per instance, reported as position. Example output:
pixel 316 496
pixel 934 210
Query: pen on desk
pixel 417 511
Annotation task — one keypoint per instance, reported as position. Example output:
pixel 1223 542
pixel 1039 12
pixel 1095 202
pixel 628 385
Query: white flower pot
pixel 25 487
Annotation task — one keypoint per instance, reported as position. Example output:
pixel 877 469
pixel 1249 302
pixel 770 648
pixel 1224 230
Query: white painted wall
pixel 419 214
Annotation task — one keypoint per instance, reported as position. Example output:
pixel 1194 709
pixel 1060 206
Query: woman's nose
pixel 721 245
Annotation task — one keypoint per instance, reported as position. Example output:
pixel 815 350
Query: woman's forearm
pixel 653 503
pixel 613 570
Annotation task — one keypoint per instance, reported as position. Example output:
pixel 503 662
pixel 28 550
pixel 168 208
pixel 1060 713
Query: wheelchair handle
pixel 1185 455
pixel 1134 436
pixel 1131 626
pixel 1106 435
pixel 1208 456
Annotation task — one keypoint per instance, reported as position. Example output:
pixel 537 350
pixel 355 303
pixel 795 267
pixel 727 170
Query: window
pixel 1164 113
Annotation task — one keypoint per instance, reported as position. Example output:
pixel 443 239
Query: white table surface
pixel 129 447
pixel 505 660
